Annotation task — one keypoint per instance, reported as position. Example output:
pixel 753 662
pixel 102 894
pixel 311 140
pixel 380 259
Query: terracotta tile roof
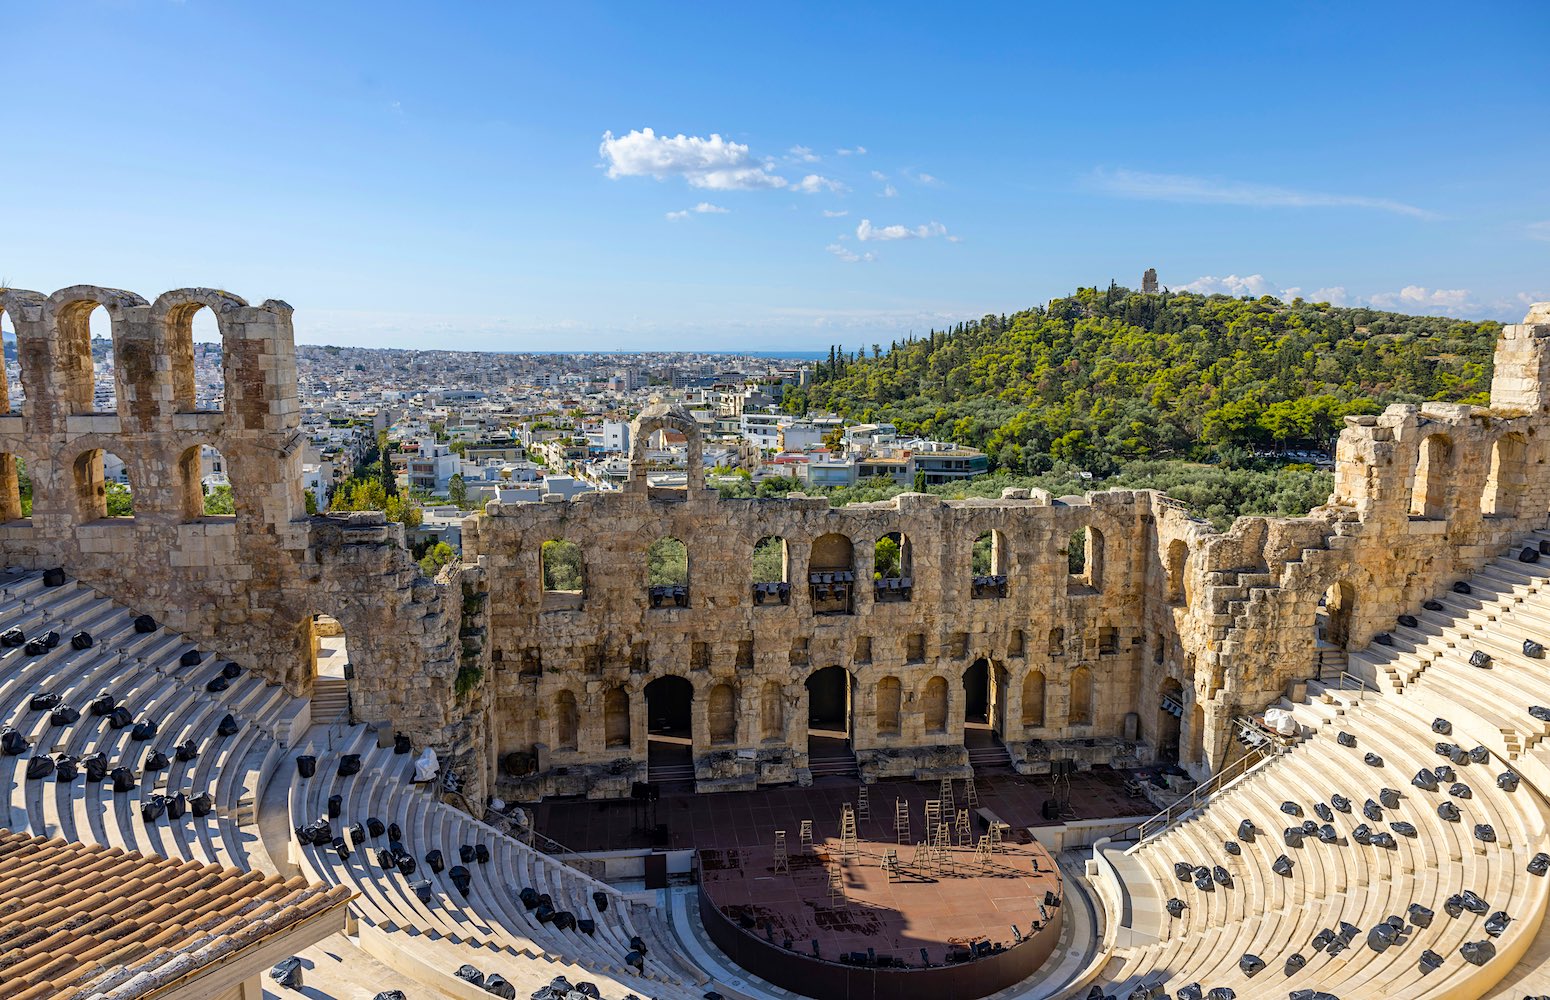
pixel 82 920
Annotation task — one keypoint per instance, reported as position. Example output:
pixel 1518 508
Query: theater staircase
pixel 1407 886
pixel 235 797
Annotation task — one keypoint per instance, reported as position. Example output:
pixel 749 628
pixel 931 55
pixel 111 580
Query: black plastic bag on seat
pixel 1191 992
pixel 12 637
pixel 1295 962
pixel 1292 836
pixel 1448 811
pixel 35 647
pixel 1478 952
pixel 1445 774
pixel 40 767
pixel 1507 781
pixel 120 718
pixel 217 684
pixel 481 854
pixel 123 780
pixel 374 827
pixel 1323 812
pixel 96 766
pixel 1183 871
pixel 12 743
pixel 1419 915
pixel 1362 834
pixel 1472 902
pixel 394 833
pixel 152 808
pixel 185 751
pixel 201 804
pixel 1372 810
pixel 469 974
pixel 1480 658
pixel 390 995
pixel 1328 835
pixel 461 879
pixel 349 764
pixel 1459 790
pixel 496 984
pixel 191 658
pixel 1383 639
pixel 1442 726
pixel 435 862
pixel 81 640
pixel 1485 833
pixel 155 761
pixel 1340 802
pixel 66 767
pixel 422 889
pixel 1246 831
pixel 143 731
pixel 228 726
pixel 54 577
pixel 145 624
pixel 1479 755
pixel 1345 739
pixel 1496 923
pixel 401 744
pixel 231 670
pixel 176 806
pixel 335 806
pixel 1176 907
pixel 1250 965
pixel 1424 779
pixel 42 702
pixel 1539 864
pixel 1463 588
pixel 287 973
pixel 1528 554
pixel 1385 840
pixel 465 854
pixel 306 765
pixel 64 715
pixel 103 704
pixel 1231 847
pixel 1389 798
pixel 1282 866
pixel 1403 828
pixel 1408 621
pixel 1532 649
pixel 1222 993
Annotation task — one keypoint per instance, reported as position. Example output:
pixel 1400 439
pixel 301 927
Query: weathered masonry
pixel 577 638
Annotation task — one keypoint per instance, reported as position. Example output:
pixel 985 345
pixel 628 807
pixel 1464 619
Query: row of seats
pixel 154 676
pixel 1445 909
pixel 461 911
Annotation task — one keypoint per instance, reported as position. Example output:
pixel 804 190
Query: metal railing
pixel 1198 795
pixel 558 851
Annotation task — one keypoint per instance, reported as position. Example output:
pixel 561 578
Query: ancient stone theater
pixel 1039 746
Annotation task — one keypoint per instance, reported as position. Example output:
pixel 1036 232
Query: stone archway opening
pixel 829 700
pixel 670 729
pixel 1170 718
pixel 1334 617
pixel 977 694
pixel 330 650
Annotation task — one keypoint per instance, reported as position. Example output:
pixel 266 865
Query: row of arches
pixel 191 329
pixel 832 573
pixel 103 486
pixel 1435 468
pixel 832 701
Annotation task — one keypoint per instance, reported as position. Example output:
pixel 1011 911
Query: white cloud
pixel 848 255
pixel 889 191
pixel 1539 230
pixel 878 175
pixel 1414 298
pixel 1232 284
pixel 830 213
pixel 813 184
pixel 866 231
pixel 703 208
pixel 854 151
pixel 802 154
pixel 1217 191
pixel 713 164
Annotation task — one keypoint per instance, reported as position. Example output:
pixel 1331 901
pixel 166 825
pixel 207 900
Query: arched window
pixel 12 395
pixel 203 483
pixel 1084 557
pixel 86 349
pixel 1033 700
pixel 1434 468
pixel 934 705
pixel 1178 570
pixel 831 575
pixel 616 718
pixel 563 574
pixel 566 720
pixel 890 696
pixel 667 573
pixel 15 489
pixel 194 340
pixel 721 714
pixel 771 571
pixel 1509 477
pixel 1081 710
pixel 989 565
pixel 891 580
pixel 102 487
pixel 772 711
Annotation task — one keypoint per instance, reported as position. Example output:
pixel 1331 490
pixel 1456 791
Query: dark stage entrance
pixel 670 730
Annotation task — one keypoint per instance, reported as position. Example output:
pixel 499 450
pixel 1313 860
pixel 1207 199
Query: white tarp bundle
pixel 426 766
pixel 1279 720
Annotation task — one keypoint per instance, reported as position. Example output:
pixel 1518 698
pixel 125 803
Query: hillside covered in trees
pixel 1107 377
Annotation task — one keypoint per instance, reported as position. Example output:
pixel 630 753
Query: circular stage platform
pixel 943 920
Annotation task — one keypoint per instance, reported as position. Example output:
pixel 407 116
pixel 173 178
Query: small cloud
pixel 396 107
pixel 1413 298
pixel 1217 191
pixel 848 255
pixel 1538 230
pixel 831 213
pixel 802 154
pixel 867 232
pixel 853 151
pixel 878 175
pixel 675 216
pixel 703 208
pixel 813 184
pixel 889 191
pixel 927 179
pixel 1232 284
pixel 713 164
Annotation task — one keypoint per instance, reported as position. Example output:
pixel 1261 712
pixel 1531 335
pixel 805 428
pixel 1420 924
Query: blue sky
pixel 482 175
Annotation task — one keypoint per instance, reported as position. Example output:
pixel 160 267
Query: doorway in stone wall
pixel 670 730
pixel 984 695
pixel 830 698
pixel 1170 717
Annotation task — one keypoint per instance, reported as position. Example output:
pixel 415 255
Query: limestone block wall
pixel 247 584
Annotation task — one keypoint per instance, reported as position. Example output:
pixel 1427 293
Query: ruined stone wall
pixel 247 584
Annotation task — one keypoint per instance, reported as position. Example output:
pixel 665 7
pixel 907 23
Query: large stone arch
pixel 659 416
pixel 172 317
pixel 70 310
